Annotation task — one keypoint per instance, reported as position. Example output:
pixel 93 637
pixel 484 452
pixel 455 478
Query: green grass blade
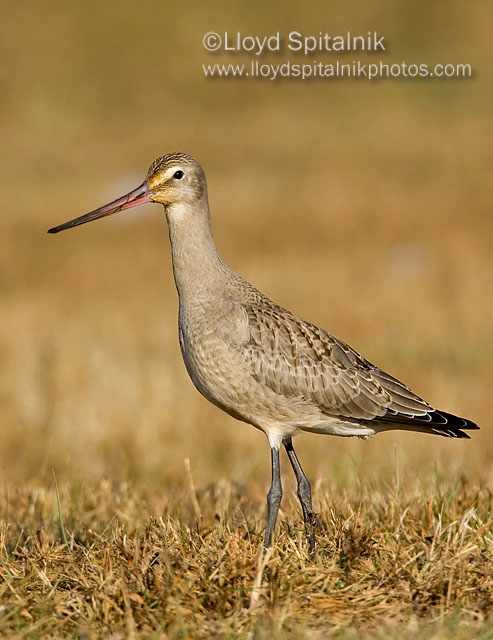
pixel 60 516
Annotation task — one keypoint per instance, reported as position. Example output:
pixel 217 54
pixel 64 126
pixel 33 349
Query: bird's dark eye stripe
pixel 178 174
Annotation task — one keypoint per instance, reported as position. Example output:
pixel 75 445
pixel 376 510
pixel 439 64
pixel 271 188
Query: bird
pixel 259 362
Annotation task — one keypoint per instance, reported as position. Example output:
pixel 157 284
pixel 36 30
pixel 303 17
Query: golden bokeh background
pixel 363 206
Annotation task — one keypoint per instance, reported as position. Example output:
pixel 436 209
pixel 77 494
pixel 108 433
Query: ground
pixel 391 562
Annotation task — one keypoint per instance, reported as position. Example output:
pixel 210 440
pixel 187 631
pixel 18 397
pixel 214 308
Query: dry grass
pixel 364 208
pixel 387 561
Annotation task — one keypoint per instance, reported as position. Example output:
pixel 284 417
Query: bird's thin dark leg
pixel 304 494
pixel 273 498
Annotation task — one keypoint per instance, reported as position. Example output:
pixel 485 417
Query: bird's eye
pixel 178 174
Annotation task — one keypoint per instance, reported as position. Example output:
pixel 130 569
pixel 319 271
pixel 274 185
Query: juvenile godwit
pixel 259 362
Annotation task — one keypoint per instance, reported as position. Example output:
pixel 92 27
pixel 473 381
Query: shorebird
pixel 258 362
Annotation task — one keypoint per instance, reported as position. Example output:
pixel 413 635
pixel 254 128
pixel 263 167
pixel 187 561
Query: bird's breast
pixel 209 335
pixel 212 342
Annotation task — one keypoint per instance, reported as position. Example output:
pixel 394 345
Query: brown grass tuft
pixel 385 560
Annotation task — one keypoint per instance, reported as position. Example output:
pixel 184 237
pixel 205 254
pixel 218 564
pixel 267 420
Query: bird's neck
pixel 197 267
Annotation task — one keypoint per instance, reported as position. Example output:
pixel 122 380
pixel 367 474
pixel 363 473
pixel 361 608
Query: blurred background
pixel 364 207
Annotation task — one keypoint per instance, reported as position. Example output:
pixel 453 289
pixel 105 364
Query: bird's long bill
pixel 137 196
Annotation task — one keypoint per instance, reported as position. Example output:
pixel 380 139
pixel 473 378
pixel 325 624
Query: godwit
pixel 259 362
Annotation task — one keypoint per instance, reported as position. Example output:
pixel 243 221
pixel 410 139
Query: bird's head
pixel 176 178
pixel 173 179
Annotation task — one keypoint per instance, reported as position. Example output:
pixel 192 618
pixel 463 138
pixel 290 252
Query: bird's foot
pixel 312 523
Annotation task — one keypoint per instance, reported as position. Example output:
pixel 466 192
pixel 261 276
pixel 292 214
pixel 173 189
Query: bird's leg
pixel 304 494
pixel 273 497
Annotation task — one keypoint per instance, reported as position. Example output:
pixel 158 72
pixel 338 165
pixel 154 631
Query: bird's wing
pixel 296 358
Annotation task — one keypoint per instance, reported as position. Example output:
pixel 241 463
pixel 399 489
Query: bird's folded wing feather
pixel 296 358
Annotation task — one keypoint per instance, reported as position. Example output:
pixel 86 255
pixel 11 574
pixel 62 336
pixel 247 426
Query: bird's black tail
pixel 452 426
pixel 435 422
